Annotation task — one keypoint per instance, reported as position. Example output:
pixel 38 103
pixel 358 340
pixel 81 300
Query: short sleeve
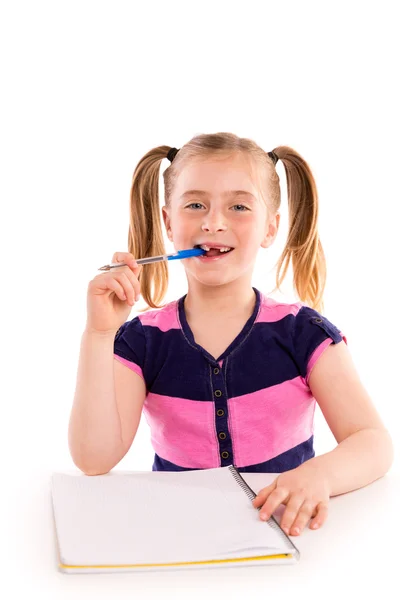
pixel 130 345
pixel 312 334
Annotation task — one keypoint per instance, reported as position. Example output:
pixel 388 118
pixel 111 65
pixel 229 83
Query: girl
pixel 225 375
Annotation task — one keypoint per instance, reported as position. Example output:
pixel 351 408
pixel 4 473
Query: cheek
pixel 250 238
pixel 177 221
pixel 182 228
pixel 250 231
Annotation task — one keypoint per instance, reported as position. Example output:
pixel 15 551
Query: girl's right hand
pixel 112 294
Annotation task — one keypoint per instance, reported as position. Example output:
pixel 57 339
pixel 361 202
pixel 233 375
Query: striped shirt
pixel 252 407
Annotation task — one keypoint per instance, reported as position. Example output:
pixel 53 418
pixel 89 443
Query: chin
pixel 213 278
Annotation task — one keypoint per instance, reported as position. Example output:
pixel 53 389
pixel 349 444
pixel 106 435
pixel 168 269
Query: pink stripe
pixel 271 421
pixel 317 353
pixel 165 318
pixel 183 431
pixel 271 310
pixel 131 365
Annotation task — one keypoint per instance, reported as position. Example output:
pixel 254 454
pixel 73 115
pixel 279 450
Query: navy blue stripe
pixel 279 464
pixel 264 354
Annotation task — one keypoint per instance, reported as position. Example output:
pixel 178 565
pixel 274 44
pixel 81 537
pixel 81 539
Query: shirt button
pixel 225 454
pixel 218 393
pixel 220 412
pixel 216 371
pixel 222 435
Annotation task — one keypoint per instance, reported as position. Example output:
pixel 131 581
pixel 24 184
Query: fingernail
pixel 315 525
pixel 264 517
pixel 296 531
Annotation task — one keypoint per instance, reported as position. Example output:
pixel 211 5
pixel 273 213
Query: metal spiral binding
pixel 272 522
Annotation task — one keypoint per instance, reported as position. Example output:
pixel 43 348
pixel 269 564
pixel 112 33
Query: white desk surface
pixel 355 552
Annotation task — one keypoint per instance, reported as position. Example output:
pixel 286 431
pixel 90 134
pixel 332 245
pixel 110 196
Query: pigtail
pixel 303 245
pixel 145 237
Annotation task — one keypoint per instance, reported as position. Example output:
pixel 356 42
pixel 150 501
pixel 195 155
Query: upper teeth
pixel 207 248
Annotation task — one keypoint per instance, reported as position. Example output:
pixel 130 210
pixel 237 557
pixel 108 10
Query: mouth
pixel 212 252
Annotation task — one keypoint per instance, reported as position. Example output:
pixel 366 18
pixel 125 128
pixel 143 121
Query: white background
pixel 87 89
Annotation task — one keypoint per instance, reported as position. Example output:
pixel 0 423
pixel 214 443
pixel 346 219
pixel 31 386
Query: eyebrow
pixel 231 193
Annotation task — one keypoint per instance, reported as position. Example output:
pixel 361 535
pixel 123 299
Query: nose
pixel 213 222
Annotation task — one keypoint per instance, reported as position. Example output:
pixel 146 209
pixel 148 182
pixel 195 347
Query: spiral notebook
pixel 157 520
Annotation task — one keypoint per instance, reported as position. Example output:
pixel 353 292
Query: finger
pixel 263 494
pixel 131 288
pixel 134 282
pixel 292 509
pixel 116 287
pixel 321 516
pixel 126 258
pixel 303 517
pixel 276 497
pixel 120 257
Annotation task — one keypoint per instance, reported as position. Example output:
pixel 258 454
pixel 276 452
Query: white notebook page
pixel 157 517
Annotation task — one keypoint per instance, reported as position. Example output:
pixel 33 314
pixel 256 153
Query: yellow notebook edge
pixel 179 564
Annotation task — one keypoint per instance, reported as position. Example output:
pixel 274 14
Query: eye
pixel 243 206
pixel 194 204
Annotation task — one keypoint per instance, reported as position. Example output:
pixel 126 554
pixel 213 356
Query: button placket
pixel 221 416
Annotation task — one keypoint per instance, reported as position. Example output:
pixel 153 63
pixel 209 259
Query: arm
pixel 94 433
pixel 365 449
pixel 107 406
pixel 364 452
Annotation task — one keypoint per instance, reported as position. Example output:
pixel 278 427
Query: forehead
pixel 218 176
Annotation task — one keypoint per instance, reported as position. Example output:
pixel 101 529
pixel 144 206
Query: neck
pixel 227 301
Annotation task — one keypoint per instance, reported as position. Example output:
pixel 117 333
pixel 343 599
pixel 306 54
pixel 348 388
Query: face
pixel 227 210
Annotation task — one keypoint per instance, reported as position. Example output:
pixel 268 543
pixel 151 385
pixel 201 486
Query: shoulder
pixel 161 318
pixel 305 332
pixel 133 326
pixel 310 322
pixel 275 310
pixel 299 314
pixel 312 334
pixel 137 338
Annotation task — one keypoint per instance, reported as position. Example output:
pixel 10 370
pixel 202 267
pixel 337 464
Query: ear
pixel 271 231
pixel 167 222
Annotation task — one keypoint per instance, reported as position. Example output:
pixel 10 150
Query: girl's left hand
pixel 304 490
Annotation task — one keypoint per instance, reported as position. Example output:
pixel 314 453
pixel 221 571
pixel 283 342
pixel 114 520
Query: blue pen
pixel 152 259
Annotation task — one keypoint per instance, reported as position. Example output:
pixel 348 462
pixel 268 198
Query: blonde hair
pixel 302 246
